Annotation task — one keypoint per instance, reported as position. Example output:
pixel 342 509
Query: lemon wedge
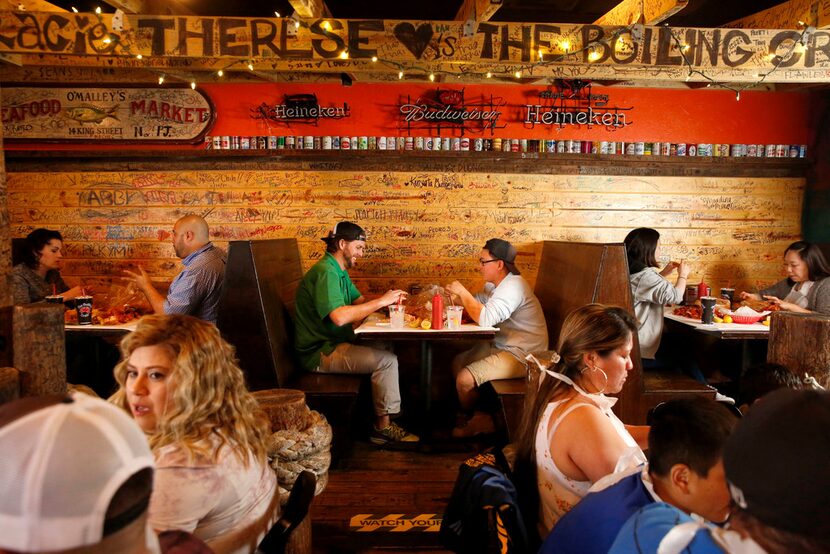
pixel 426 324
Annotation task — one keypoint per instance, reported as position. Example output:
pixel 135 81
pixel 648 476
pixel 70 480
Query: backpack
pixel 483 512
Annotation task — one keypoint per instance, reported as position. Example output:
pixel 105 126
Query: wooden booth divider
pixel 572 274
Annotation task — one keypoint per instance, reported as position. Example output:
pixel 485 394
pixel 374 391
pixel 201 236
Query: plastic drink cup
pixel 84 306
pixel 728 293
pixel 396 316
pixel 454 317
pixel 54 299
pixel 707 316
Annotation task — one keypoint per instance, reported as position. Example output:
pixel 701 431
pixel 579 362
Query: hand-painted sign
pixel 299 108
pixel 111 114
pixel 732 54
pixel 572 103
pixel 447 108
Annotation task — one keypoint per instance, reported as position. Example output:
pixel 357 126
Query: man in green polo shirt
pixel 327 307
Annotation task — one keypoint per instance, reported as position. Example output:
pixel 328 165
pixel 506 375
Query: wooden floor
pixel 372 484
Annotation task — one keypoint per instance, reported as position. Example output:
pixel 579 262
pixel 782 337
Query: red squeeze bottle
pixel 437 311
pixel 703 289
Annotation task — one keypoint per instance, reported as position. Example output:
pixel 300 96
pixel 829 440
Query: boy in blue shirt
pixel 685 469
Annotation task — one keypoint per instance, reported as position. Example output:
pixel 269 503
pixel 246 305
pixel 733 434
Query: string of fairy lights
pixel 591 51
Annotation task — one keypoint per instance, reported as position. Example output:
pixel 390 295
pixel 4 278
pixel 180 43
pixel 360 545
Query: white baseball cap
pixel 63 459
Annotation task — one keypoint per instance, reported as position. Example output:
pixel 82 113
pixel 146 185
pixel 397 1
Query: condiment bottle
pixel 437 311
pixel 703 289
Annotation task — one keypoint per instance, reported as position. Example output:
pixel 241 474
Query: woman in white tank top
pixel 570 438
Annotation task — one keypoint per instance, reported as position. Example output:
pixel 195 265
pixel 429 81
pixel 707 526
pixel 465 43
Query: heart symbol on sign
pixel 415 40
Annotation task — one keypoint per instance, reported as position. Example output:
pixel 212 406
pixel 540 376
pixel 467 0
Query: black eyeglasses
pixel 482 262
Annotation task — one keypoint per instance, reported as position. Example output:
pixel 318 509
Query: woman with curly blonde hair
pixel 181 382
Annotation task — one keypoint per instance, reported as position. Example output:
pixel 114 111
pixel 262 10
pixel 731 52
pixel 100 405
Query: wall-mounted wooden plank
pixel 211 43
pixel 424 226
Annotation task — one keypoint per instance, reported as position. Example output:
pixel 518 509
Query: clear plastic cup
pixel 454 317
pixel 396 316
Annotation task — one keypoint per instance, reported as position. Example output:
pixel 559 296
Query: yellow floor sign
pixel 395 523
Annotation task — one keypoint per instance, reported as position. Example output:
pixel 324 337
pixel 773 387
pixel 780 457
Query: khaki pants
pixel 486 363
pixel 382 364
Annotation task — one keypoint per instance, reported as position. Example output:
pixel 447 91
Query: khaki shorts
pixel 486 362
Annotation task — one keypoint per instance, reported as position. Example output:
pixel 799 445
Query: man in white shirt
pixel 506 302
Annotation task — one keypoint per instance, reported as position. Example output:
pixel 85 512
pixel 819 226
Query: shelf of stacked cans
pixel 466 144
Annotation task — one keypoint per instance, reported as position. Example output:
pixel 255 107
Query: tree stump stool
pixel 801 342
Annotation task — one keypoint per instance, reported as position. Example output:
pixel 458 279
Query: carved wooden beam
pixel 648 12
pixel 478 10
pixel 178 43
pixel 788 15
pixel 310 8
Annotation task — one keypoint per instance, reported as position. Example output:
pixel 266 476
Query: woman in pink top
pixel 570 438
pixel 180 381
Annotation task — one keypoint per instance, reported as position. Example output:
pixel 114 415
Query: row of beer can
pixel 309 142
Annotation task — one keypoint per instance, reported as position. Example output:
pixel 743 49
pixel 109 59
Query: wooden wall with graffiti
pixel 426 219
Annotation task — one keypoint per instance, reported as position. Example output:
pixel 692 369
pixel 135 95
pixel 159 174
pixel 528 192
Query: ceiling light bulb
pixel 250 66
pixel 344 55
pixel 193 85
pixel 98 10
pixel 432 76
pixel 138 56
pixel 489 74
pixel 593 56
pixel 374 58
pixel 738 96
pixel 107 40
pixel 297 24
pixel 161 80
pixel 326 25
pixel 277 14
pixel 566 45
pixel 220 73
pixel 685 48
pixel 541 56
pixel 74 9
pixel 518 75
pixel 400 74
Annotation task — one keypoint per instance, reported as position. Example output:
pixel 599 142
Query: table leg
pixel 426 377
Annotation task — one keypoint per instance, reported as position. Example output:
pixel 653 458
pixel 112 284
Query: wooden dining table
pixel 724 331
pixel 379 329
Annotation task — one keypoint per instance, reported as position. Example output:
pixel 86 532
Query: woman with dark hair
pixel 39 274
pixel 649 288
pixel 806 288
pixel 569 437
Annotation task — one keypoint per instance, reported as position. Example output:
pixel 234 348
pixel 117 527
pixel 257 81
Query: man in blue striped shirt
pixel 194 291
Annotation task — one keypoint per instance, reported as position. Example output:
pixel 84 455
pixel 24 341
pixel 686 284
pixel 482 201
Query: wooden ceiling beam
pixel 787 16
pixel 310 8
pixel 30 6
pixel 161 7
pixel 477 10
pixel 647 12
